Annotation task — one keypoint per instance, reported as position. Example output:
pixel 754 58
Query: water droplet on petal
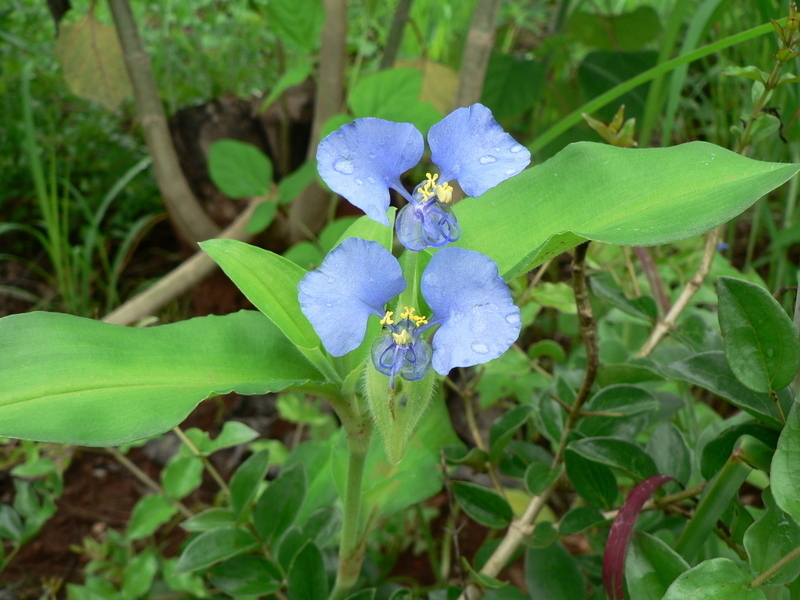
pixel 371 179
pixel 330 280
pixel 485 160
pixel 497 149
pixel 513 318
pixel 432 278
pixel 480 348
pixel 516 148
pixel 328 304
pixel 510 171
pixel 492 306
pixel 359 182
pixel 344 166
pixel 372 155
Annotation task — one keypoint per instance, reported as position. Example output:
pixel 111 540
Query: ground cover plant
pixel 519 290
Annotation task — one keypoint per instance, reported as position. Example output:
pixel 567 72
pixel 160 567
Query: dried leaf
pixel 91 57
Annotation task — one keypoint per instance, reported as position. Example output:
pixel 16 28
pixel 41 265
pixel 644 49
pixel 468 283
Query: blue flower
pixel 470 303
pixel 364 159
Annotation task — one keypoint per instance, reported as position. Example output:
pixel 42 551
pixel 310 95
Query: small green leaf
pixel 280 503
pixel 593 481
pixel 643 307
pixel 629 30
pixel 182 476
pixel 619 454
pixel 554 574
pixel 761 342
pixel 239 170
pixel 247 576
pixel 633 404
pixel 211 518
pixel 651 566
pixel 149 514
pixel 502 91
pixel 293 76
pixel 719 450
pixel 714 579
pixel 503 429
pixel 138 574
pixel 246 481
pixel 669 450
pixel 580 519
pixel 262 217
pixel 233 433
pixel 785 476
pixel 213 546
pixel 307 577
pixel 539 476
pixel 296 22
pixel 11 527
pixel 483 505
pixel 770 538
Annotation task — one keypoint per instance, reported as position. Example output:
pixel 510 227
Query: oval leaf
pixel 240 170
pixel 483 505
pixel 213 546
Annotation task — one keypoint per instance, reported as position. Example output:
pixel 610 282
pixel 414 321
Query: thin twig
pixel 474 61
pixel 206 462
pixel 395 33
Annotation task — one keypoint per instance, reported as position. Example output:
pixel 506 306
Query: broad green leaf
pixel 512 85
pixel 579 519
pixel 714 579
pixel 73 380
pixel 539 476
pixel 770 538
pixel 149 514
pixel 593 481
pixel 233 433
pixel 710 371
pixel 262 217
pixel 623 31
pixel 269 281
pixel 553 573
pixel 669 450
pixel 393 94
pixel 296 22
pixel 651 566
pixel 323 525
pixel 629 197
pixel 633 405
pixel 307 577
pixel 91 58
pixel 279 504
pixel 761 342
pixel 246 481
pixel 210 518
pixel 483 505
pixel 505 427
pixel 214 546
pixel 239 170
pixel 785 476
pixel 138 574
pixel 247 576
pixel 602 70
pixel 616 453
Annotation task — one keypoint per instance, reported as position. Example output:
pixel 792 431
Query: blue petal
pixel 428 225
pixel 355 280
pixel 471 302
pixel 363 159
pixel 469 146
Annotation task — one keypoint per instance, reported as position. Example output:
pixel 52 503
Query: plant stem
pixel 206 462
pixel 353 541
pixel 475 60
pixel 771 571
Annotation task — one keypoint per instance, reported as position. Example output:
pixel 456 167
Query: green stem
pixel 595 104
pixel 771 571
pixel 353 542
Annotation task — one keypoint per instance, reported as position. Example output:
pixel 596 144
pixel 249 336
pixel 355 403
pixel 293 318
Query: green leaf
pixel 280 503
pixel 630 30
pixel 149 514
pixel 785 476
pixel 633 405
pixel 307 577
pixel 714 579
pixel 602 70
pixel 554 574
pixel 97 75
pixel 290 186
pixel 769 539
pixel 73 380
pixel 269 281
pixel 539 476
pixel 11 527
pixel 483 505
pixel 247 576
pixel 137 577
pixel 210 518
pixel 504 428
pixel 182 476
pixel 262 217
pixel 651 566
pixel 239 170
pixel 643 307
pixel 543 211
pixel 293 76
pixel 580 519
pixel 760 340
pixel 296 22
pixel 593 481
pixel 246 481
pixel 213 546
pixel 619 454
pixel 512 85
pixel 393 94
pixel 669 450
pixel 710 371
pixel 233 433
pixel 717 451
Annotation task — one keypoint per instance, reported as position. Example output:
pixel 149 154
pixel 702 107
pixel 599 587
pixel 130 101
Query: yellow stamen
pixel 401 338
pixel 387 318
pixel 419 320
pixel 407 312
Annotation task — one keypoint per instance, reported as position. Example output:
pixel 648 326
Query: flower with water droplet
pixel 364 159
pixel 470 304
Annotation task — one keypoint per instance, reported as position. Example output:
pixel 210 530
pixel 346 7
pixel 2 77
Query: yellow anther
pixel 401 338
pixel 408 312
pixel 387 318
pixel 444 192
pixel 419 320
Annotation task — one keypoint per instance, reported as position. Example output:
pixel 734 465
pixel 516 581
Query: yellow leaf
pixel 439 83
pixel 91 58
